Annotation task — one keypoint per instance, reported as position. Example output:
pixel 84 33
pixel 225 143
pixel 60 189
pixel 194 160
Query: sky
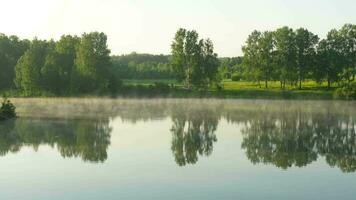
pixel 148 26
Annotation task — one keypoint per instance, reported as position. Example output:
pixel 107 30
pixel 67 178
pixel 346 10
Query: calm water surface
pixel 178 149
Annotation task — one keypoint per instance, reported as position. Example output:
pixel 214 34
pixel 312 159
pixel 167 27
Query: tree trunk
pixel 266 83
pixel 300 83
pixel 329 83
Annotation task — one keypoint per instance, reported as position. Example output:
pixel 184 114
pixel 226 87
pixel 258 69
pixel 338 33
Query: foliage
pixel 347 91
pixel 87 139
pixel 292 56
pixel 141 66
pixel 7 110
pixel 71 65
pixel 81 65
pixel 92 63
pixel 230 66
pixel 236 77
pixel 11 49
pixel 193 60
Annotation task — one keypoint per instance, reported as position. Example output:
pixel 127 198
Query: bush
pixel 348 91
pixel 236 77
pixel 164 87
pixel 7 110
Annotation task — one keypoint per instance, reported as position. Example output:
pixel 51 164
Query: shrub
pixel 164 87
pixel 7 110
pixel 348 91
pixel 236 77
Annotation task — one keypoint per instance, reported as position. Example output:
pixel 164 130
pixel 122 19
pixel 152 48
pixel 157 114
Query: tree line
pixel 74 64
pixel 292 56
pixel 142 66
pixel 70 65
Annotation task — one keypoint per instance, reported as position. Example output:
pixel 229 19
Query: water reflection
pixel 87 139
pixel 193 133
pixel 282 133
pixel 297 138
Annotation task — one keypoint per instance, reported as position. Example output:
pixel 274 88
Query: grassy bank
pixel 231 89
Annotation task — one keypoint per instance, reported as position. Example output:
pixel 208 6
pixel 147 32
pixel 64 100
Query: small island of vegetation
pixel 7 110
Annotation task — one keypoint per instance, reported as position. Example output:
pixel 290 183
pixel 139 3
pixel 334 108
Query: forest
pixel 75 65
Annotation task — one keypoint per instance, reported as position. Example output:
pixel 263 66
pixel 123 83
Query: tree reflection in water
pixel 293 137
pixel 282 133
pixel 193 133
pixel 88 139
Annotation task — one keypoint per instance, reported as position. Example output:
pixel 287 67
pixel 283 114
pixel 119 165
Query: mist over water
pixel 204 147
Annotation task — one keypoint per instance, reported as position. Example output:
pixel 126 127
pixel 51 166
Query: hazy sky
pixel 148 26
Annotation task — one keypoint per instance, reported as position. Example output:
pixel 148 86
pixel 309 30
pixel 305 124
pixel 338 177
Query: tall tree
pixel 178 55
pixel 266 56
pixel 193 61
pixel 306 43
pixel 29 68
pixel 210 62
pixel 330 59
pixel 92 63
pixel 286 55
pixel 259 55
pixel 66 51
pixel 11 49
pixel 251 59
pixel 348 50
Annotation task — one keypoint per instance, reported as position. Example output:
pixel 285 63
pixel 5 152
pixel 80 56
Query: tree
pixel 210 63
pixel 178 62
pixel 330 59
pixel 348 50
pixel 92 63
pixel 193 61
pixel 286 55
pixel 66 52
pixel 11 49
pixel 266 56
pixel 29 68
pixel 231 66
pixel 142 66
pixel 258 54
pixel 251 59
pixel 306 49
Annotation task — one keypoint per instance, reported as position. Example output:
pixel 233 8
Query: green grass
pixel 231 89
pixel 238 89
pixel 148 81
pixel 272 85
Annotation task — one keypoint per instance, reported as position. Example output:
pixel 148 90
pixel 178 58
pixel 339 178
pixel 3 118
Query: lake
pixel 178 149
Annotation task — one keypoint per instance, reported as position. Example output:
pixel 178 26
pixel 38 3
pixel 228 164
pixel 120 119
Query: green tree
pixel 306 43
pixel 330 59
pixel 251 59
pixel 29 68
pixel 194 61
pixel 66 52
pixel 266 56
pixel 259 55
pixel 92 63
pixel 178 55
pixel 348 50
pixel 11 49
pixel 231 66
pixel 286 55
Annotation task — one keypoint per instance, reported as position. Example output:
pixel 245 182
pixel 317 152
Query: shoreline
pixel 182 93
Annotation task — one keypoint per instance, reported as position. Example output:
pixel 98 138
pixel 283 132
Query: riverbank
pixel 229 90
pixel 152 92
